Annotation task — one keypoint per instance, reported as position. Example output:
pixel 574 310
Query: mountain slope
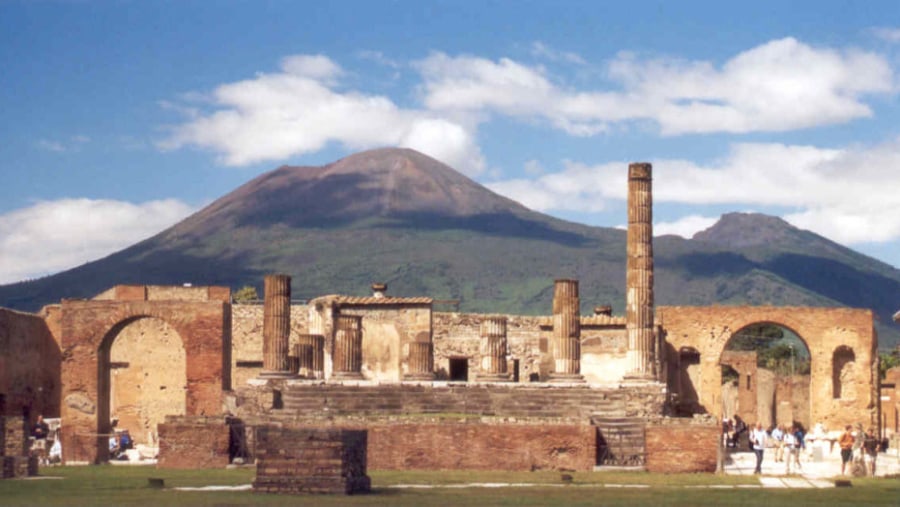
pixel 400 217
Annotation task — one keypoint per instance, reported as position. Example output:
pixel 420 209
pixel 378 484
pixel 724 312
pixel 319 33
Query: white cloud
pixel 778 86
pixel 298 110
pixel 51 236
pixel 72 144
pixel 887 34
pixel 848 195
pixel 685 227
pixel 541 50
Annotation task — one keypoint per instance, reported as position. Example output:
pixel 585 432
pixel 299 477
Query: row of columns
pixel 566 334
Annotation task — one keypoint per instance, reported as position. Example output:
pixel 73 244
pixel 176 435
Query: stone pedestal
pixel 348 347
pixel 493 350
pixel 639 274
pixel 304 460
pixel 276 327
pixel 566 332
pixel 420 361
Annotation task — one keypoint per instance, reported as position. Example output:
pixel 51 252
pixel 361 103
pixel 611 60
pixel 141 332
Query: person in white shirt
pixel 758 438
pixel 777 436
pixel 790 445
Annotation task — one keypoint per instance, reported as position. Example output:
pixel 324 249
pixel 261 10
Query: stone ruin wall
pixel 147 377
pixel 458 335
pixel 30 361
pixel 247 339
pixel 826 332
pixel 387 332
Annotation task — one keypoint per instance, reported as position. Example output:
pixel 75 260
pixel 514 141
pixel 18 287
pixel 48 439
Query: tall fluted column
pixel 276 326
pixel 420 361
pixel 566 332
pixel 493 350
pixel 348 347
pixel 639 273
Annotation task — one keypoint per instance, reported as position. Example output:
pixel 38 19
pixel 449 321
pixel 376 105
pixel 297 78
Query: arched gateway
pixel 89 330
pixel 841 339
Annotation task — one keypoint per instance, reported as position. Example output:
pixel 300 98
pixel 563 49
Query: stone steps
pixel 312 400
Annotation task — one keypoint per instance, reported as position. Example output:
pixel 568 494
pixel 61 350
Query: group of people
pixel 864 445
pixel 788 442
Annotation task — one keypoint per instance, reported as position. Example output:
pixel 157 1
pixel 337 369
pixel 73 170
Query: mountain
pixel 398 216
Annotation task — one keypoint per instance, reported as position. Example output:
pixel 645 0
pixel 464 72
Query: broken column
pixel 310 351
pixel 276 327
pixel 348 347
pixel 566 332
pixel 639 273
pixel 420 361
pixel 493 350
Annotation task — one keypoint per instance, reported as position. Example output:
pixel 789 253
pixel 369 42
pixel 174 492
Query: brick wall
pixel 472 446
pixel 193 442
pixel 680 448
pixel 29 366
pixel 307 460
pixel 14 459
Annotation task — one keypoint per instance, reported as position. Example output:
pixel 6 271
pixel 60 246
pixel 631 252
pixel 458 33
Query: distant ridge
pixel 398 216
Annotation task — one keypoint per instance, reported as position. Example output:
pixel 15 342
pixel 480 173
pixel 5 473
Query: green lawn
pixel 114 485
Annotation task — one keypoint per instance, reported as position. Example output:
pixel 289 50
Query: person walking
pixel 870 451
pixel 758 437
pixel 778 443
pixel 789 442
pixel 846 443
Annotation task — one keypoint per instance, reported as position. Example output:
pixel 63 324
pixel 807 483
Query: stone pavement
pixel 828 467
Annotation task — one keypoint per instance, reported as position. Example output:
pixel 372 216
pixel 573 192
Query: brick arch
pixel 87 327
pixel 104 376
pixel 708 329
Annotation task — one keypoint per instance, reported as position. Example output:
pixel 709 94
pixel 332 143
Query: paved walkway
pixel 828 467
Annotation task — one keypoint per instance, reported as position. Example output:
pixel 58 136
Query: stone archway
pixel 143 377
pixel 88 332
pixel 708 329
pixel 771 367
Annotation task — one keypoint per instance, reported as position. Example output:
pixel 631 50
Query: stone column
pixel 420 361
pixel 493 350
pixel 310 352
pixel 566 332
pixel 348 347
pixel 276 327
pixel 639 273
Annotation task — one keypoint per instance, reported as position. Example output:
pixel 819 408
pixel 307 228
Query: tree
pixel 245 294
pixel 888 361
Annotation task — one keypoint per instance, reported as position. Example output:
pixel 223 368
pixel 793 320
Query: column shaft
pixel 348 347
pixel 276 326
pixel 566 331
pixel 639 273
pixel 493 350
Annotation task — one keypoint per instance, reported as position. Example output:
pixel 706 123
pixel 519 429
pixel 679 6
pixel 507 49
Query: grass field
pixel 126 486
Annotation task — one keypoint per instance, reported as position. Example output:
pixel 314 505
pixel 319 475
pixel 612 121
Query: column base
pixel 639 377
pixel 563 378
pixel 277 375
pixel 493 377
pixel 347 375
pixel 418 377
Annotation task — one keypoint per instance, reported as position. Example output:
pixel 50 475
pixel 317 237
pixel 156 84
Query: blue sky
pixel 121 118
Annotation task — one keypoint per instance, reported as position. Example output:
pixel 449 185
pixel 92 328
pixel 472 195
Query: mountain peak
pixel 384 182
pixel 738 230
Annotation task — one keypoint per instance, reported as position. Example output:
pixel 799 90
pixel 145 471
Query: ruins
pixel 207 380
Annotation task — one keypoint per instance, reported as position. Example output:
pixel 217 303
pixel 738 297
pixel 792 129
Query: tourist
pixel 758 438
pixel 41 429
pixel 870 451
pixel 777 443
pixel 799 442
pixel 791 449
pixel 39 432
pixel 740 427
pixel 846 443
